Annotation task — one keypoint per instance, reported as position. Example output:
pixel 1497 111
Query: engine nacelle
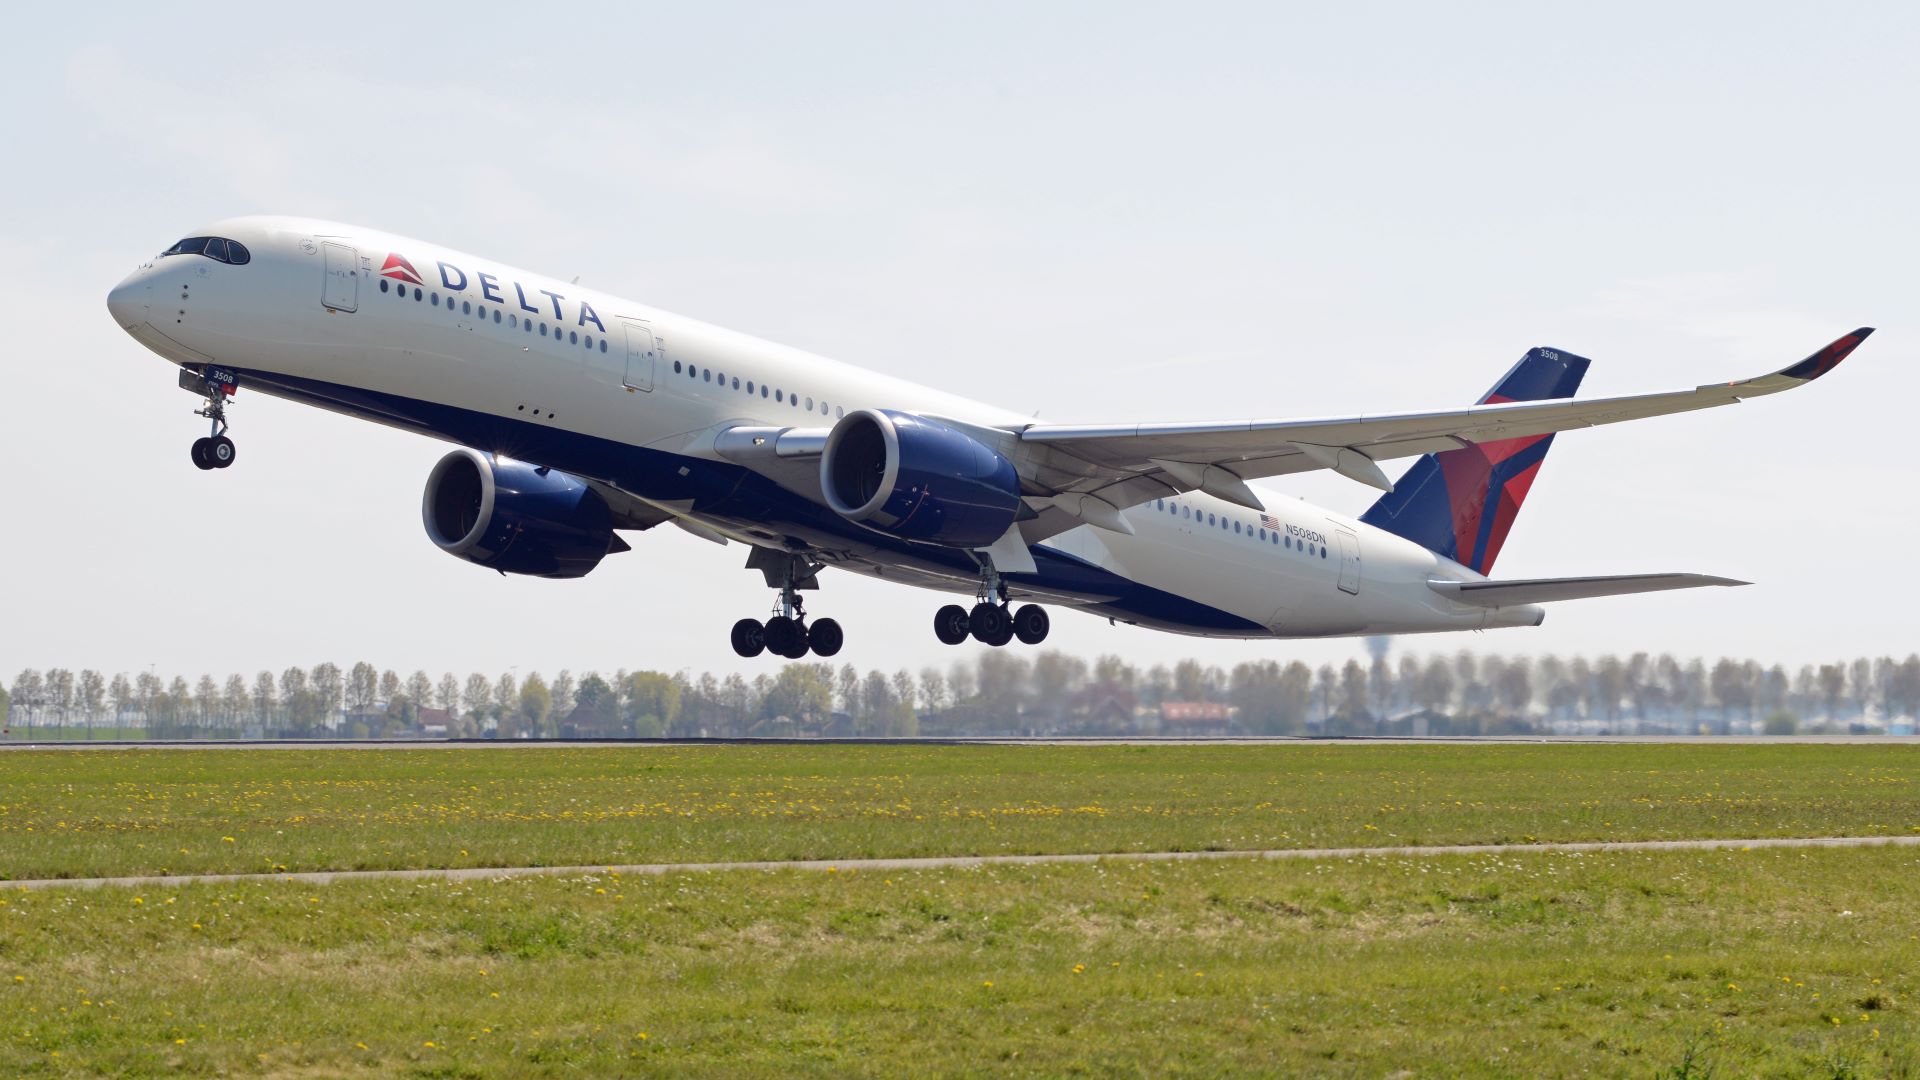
pixel 918 479
pixel 516 518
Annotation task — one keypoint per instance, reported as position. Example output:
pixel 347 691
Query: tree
pixel 601 703
pixel 328 687
pixel 448 693
pixel 27 689
pixel 233 701
pixel 206 700
pixel 264 699
pixel 849 690
pixel 933 691
pixel 389 687
pixel 478 698
pixel 362 685
pixel 800 692
pixel 1353 691
pixel 420 690
pixel 93 696
pixel 1515 688
pixel 536 704
pixel 653 703
pixel 119 696
pixel 562 692
pixel 1436 685
pixel 506 692
pixel 1833 683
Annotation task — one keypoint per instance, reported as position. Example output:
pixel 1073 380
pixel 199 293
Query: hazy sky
pixel 1099 212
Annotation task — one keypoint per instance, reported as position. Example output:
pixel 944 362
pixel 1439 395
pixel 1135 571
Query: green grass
pixel 1764 963
pixel 105 812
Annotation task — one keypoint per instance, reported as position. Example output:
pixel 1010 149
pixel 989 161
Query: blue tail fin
pixel 1462 503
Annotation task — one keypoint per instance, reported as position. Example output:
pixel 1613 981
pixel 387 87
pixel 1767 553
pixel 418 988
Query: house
pixel 1195 718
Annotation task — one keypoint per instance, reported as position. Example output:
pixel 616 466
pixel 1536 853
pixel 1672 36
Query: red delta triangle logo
pixel 398 268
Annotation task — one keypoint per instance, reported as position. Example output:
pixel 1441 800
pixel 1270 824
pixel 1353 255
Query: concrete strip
pixel 21 741
pixel 483 873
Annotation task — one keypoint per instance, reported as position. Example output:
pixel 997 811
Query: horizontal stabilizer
pixel 1547 590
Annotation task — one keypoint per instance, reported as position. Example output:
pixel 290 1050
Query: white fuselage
pixel 612 390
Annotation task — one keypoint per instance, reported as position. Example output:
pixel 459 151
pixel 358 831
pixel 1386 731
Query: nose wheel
pixel 214 453
pixel 787 633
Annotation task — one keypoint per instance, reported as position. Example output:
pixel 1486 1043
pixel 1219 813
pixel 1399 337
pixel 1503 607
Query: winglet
pixel 1828 358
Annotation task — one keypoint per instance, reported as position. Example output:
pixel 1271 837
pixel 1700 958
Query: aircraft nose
pixel 128 301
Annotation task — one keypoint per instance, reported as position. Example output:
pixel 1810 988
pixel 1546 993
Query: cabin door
pixel 642 352
pixel 341 292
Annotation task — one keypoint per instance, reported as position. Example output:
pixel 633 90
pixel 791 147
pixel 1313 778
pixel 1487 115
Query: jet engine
pixel 918 479
pixel 515 517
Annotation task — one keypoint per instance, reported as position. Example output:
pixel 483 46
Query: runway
pixel 488 873
pixel 23 744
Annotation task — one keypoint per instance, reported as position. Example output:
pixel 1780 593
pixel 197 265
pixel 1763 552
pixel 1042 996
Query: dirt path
pixel 323 877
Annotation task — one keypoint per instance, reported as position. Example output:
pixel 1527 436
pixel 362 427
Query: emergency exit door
pixel 643 351
pixel 1349 561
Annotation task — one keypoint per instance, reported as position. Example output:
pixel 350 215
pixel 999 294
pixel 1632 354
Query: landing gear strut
pixel 216 450
pixel 991 621
pixel 787 632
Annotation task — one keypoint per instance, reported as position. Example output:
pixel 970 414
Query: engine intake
pixel 516 518
pixel 918 479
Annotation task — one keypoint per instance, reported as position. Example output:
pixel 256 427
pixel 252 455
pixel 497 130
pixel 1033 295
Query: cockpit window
pixel 216 248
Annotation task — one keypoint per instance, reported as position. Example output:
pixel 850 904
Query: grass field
pixel 1762 962
pixel 100 812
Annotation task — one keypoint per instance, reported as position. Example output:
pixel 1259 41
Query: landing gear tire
pixel 950 624
pixel 220 451
pixel 1030 624
pixel 781 632
pixel 989 624
pixel 824 637
pixel 203 454
pixel 749 638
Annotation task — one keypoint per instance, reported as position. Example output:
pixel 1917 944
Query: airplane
pixel 578 415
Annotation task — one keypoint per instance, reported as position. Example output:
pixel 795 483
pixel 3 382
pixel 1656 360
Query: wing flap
pixel 1548 590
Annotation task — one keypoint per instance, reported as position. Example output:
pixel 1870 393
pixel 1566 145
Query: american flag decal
pixel 1270 521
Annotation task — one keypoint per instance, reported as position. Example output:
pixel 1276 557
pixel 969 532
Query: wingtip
pixel 1829 357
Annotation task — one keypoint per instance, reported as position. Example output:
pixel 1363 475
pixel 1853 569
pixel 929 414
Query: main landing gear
pixel 216 450
pixel 991 621
pixel 787 633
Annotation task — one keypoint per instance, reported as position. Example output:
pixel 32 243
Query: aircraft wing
pixel 1122 465
pixel 1547 590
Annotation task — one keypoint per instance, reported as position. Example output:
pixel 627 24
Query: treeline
pixel 993 692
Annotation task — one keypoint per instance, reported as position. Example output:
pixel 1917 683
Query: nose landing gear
pixel 215 451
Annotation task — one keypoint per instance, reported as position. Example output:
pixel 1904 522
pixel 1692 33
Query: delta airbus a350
pixel 579 415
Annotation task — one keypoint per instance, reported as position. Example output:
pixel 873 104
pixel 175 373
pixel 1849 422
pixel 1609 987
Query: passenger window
pixel 1288 542
pixel 543 329
pixel 1186 511
pixel 1236 528
pixel 573 337
pixel 676 367
pixel 839 411
pixel 603 344
pixel 763 389
pixel 466 307
pixel 1323 552
pixel 809 404
pixel 706 374
pixel 419 294
pixel 436 299
pixel 589 341
pixel 777 395
pixel 496 315
pixel 384 284
pixel 736 382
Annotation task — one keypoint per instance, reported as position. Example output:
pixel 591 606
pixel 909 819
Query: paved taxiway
pixel 323 877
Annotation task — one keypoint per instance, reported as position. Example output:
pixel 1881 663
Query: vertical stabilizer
pixel 1461 503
